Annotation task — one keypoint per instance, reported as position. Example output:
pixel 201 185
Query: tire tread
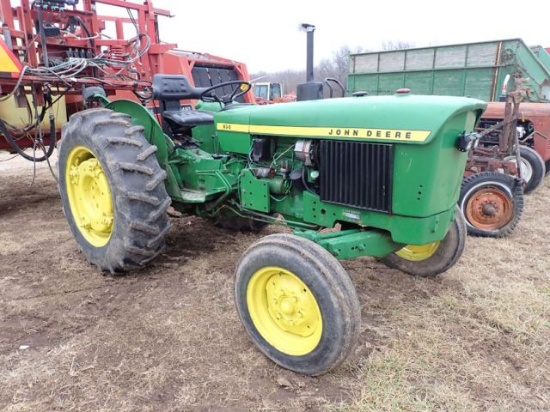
pixel 140 200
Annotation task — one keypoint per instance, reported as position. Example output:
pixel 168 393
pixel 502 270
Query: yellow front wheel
pixel 418 253
pixel 297 303
pixel 284 310
pixel 431 259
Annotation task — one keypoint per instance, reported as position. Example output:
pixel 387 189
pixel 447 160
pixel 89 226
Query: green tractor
pixel 355 176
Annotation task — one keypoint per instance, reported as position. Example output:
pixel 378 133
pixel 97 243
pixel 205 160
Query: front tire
pixel 297 303
pixel 492 204
pixel 112 190
pixel 431 259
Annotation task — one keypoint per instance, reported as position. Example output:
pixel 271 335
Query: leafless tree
pixel 397 45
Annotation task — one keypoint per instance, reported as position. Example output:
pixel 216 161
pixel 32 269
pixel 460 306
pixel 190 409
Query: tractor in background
pixel 351 177
pixel 271 92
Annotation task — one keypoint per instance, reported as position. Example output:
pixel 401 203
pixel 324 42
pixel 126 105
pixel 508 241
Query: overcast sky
pixel 265 34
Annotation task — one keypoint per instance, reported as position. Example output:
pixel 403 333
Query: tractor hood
pixel 402 118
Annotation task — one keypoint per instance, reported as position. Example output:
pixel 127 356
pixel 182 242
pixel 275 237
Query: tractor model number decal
pixel 230 127
pixel 330 132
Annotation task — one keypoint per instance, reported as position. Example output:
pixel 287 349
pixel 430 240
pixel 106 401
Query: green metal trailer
pixel 481 70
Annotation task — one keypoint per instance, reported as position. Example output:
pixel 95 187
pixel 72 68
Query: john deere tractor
pixel 355 176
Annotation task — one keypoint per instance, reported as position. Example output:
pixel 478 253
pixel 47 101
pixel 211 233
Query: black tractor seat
pixel 169 90
pixel 188 117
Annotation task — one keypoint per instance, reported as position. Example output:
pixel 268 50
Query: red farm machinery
pixel 54 54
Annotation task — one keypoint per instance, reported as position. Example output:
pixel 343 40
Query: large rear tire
pixel 431 259
pixel 112 190
pixel 492 204
pixel 532 168
pixel 297 303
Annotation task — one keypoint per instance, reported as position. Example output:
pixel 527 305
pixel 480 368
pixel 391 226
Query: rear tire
pixel 434 258
pixel 492 204
pixel 112 190
pixel 297 303
pixel 532 168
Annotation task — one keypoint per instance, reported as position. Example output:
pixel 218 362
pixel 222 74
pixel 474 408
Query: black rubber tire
pixel 135 181
pixel 227 219
pixel 484 185
pixel 547 167
pixel 445 256
pixel 330 287
pixel 534 166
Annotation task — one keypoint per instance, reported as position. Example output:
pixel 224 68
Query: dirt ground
pixel 168 338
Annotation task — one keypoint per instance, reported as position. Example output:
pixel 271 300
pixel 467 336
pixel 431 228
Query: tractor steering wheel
pixel 242 88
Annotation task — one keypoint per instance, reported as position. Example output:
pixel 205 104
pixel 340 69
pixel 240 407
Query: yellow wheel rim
pixel 89 196
pixel 284 311
pixel 418 252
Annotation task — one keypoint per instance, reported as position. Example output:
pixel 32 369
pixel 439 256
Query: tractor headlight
pixel 467 141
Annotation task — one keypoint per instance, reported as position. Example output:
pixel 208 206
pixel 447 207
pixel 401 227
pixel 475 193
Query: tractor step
pixel 192 196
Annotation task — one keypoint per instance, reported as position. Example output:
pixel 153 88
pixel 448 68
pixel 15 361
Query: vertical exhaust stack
pixel 310 90
pixel 310 29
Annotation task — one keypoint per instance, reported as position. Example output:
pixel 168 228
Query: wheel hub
pixel 489 209
pixel 89 197
pixel 290 305
pixel 284 311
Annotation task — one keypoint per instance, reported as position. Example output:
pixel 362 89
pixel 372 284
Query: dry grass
pixel 475 339
pixel 168 338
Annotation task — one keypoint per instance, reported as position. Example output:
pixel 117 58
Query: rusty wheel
pixel 492 204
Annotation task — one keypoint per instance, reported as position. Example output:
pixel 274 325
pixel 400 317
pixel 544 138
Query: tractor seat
pixel 188 118
pixel 169 90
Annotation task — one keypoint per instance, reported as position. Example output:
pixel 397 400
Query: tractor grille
pixel 356 174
